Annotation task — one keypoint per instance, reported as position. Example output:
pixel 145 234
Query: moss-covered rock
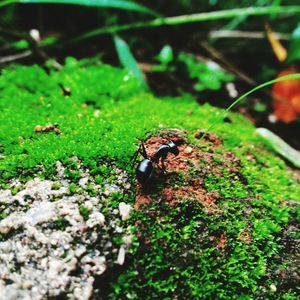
pixel 220 224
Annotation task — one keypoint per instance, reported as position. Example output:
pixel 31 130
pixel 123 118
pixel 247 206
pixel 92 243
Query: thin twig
pixel 220 34
pixel 14 57
pixel 35 48
pixel 227 64
pixel 12 33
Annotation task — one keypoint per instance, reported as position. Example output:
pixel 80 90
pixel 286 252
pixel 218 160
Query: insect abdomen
pixel 144 170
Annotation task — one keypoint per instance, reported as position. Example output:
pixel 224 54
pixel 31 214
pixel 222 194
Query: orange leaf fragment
pixel 286 97
pixel 278 49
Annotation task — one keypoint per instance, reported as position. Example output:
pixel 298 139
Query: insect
pixel 47 128
pixel 145 167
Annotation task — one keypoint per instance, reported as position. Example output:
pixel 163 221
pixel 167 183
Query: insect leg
pixel 143 151
pixel 135 155
pixel 163 167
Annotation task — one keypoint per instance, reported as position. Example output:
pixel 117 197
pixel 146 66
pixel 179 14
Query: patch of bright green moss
pixel 174 253
pixel 85 212
pixel 61 223
pixel 29 97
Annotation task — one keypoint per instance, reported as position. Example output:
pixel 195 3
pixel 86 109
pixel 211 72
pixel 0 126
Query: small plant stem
pixel 228 65
pixel 14 57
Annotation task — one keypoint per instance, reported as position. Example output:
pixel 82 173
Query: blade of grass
pixel 7 2
pixel 220 119
pixel 120 4
pixel 199 17
pixel 128 61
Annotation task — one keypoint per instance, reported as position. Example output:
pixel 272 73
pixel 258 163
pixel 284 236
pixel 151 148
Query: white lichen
pixel 47 248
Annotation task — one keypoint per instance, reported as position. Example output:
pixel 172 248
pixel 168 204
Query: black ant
pixel 145 167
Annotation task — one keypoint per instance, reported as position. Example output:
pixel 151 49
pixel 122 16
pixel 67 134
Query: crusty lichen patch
pixel 54 241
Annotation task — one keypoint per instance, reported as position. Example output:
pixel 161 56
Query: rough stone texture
pixel 48 248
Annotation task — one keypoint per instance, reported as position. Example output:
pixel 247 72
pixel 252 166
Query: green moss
pixel 30 97
pixel 73 175
pixel 179 252
pixel 56 186
pixel 217 159
pixel 61 223
pixel 91 190
pixel 14 191
pixel 85 212
pixel 178 179
pixel 175 253
pixel 3 215
pixel 99 179
pixel 72 188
